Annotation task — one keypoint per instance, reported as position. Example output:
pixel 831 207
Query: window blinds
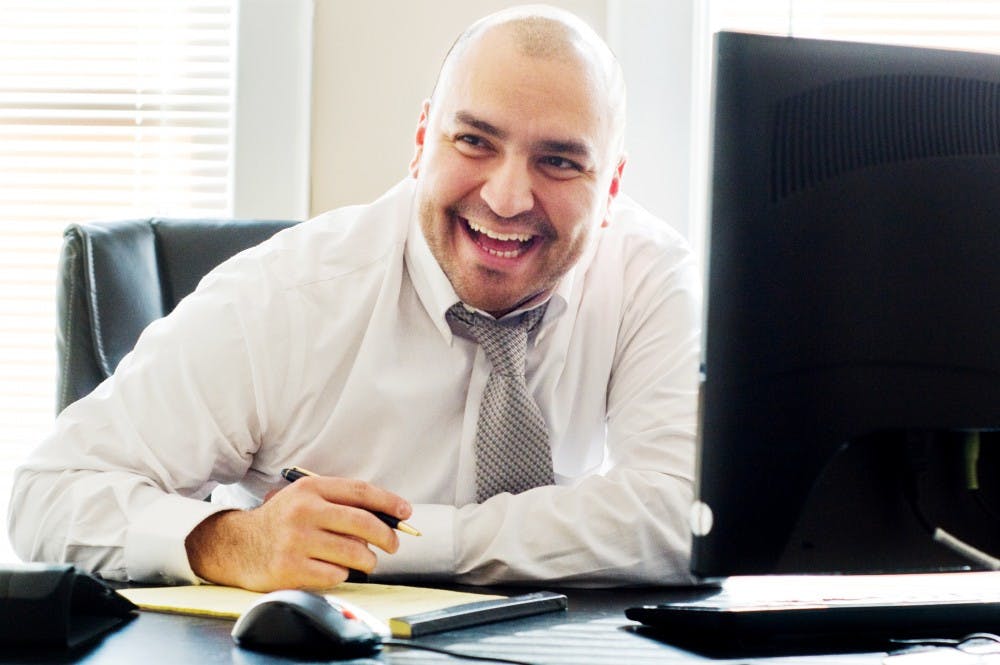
pixel 108 109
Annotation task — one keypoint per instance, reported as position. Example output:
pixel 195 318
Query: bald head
pixel 519 155
pixel 547 33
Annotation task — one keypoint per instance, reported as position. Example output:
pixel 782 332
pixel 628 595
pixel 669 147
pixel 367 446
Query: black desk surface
pixel 593 632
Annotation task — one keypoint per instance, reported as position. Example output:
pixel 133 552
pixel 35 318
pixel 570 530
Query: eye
pixel 471 144
pixel 561 166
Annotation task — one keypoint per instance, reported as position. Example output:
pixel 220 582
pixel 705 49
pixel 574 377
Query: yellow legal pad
pixel 375 604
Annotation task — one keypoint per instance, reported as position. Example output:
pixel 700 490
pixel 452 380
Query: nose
pixel 508 188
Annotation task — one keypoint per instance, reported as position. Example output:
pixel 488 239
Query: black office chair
pixel 115 278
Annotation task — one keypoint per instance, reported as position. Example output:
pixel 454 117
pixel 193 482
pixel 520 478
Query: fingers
pixel 347 506
pixel 306 505
pixel 357 493
pixel 351 553
pixel 316 558
pixel 310 534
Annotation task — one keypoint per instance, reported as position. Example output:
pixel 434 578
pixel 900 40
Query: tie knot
pixel 505 342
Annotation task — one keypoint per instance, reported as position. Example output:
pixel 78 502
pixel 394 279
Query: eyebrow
pixel 565 147
pixel 467 118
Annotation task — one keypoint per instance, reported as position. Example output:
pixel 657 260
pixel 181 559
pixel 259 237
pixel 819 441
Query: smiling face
pixel 516 165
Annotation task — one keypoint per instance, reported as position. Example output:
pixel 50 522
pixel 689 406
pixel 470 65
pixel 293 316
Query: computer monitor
pixel 851 389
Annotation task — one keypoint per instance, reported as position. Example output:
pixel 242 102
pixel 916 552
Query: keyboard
pixel 840 608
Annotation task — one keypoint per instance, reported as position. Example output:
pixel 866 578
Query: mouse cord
pixel 454 654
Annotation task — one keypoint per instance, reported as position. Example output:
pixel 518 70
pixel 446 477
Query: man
pixel 340 346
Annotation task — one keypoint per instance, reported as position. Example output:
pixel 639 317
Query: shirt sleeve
pixel 627 525
pixel 118 485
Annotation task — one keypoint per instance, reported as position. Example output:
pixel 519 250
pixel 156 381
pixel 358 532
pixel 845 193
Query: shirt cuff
pixel 154 544
pixel 430 555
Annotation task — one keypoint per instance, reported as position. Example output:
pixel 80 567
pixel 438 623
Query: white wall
pixel 272 136
pixel 376 61
pixel 656 43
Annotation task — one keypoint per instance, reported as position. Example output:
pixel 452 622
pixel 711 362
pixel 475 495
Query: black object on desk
pixel 302 624
pixel 868 612
pixel 56 606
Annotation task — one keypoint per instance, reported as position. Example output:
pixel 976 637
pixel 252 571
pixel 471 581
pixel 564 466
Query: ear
pixel 421 135
pixel 613 189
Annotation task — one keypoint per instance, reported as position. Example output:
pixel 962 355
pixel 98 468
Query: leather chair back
pixel 115 278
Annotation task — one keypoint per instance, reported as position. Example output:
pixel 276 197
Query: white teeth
pixel 520 237
pixel 504 255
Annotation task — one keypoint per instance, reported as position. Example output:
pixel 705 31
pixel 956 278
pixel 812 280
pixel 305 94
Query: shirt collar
pixel 429 281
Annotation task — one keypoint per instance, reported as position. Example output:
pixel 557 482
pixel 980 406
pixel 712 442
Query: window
pixel 109 109
pixel 962 24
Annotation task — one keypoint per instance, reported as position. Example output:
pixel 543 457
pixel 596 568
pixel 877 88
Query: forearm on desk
pixel 110 523
pixel 601 532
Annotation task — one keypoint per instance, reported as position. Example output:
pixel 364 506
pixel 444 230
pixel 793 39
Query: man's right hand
pixel 308 535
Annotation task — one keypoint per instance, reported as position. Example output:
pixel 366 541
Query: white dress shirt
pixel 327 347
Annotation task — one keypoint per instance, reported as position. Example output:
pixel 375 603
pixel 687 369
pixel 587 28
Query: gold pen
pixel 292 474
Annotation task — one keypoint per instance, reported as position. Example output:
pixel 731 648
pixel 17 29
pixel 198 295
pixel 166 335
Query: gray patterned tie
pixel 512 441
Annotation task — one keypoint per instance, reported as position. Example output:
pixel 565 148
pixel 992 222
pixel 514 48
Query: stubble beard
pixel 480 286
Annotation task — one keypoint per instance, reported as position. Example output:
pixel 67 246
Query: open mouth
pixel 502 245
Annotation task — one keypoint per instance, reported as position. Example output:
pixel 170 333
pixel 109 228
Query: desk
pixel 593 632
